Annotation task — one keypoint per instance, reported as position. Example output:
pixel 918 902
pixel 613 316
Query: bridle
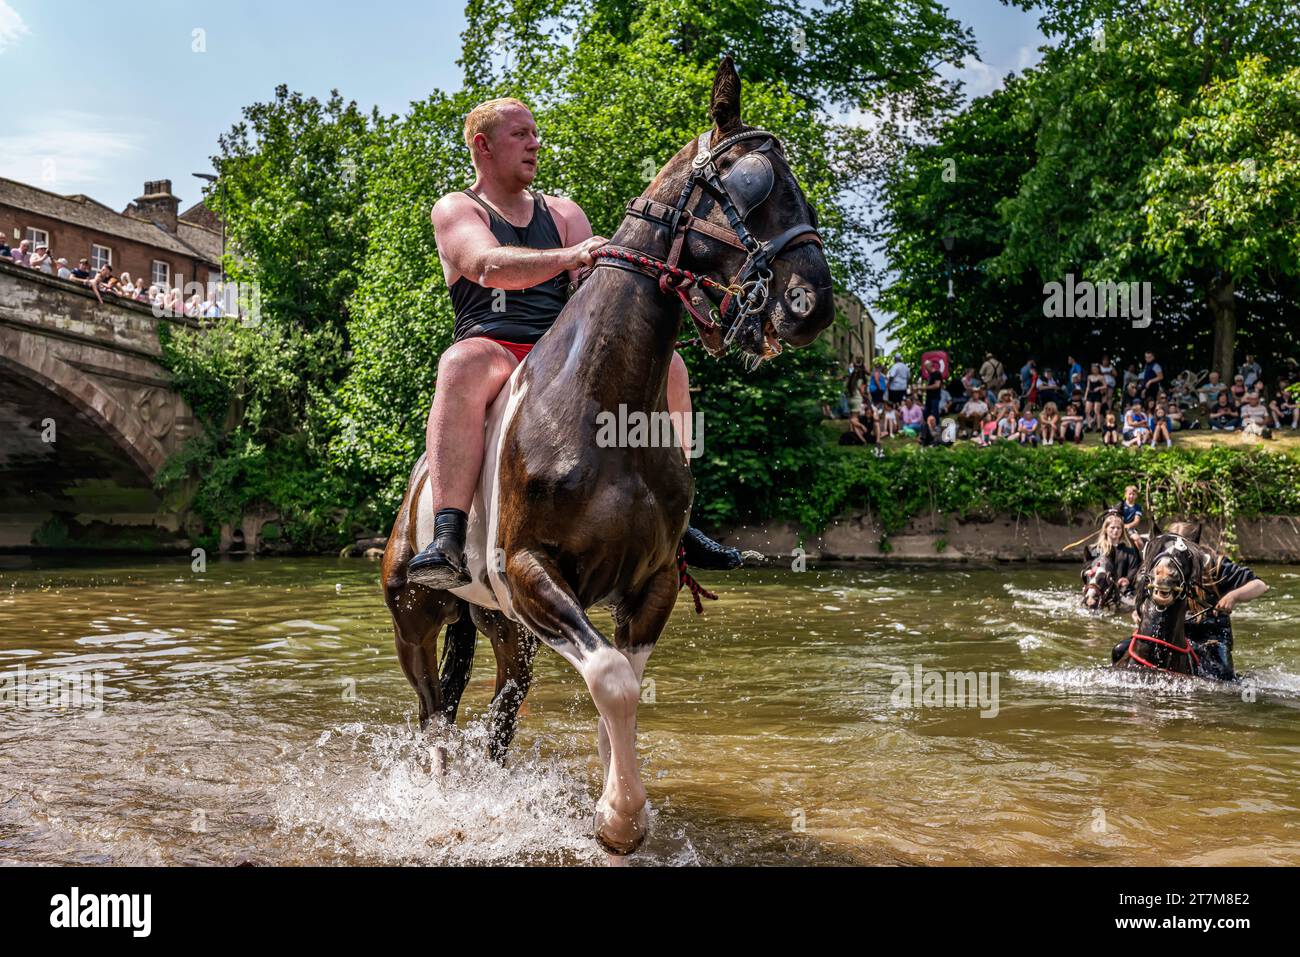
pixel 1172 551
pixel 1099 579
pixel 742 189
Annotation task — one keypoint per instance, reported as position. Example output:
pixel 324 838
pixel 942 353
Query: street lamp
pixel 210 178
pixel 948 242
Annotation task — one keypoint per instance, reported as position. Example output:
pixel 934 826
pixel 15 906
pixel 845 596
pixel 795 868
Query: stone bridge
pixel 88 416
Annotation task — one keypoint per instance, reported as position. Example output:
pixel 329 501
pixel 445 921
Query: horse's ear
pixel 1155 527
pixel 1197 537
pixel 724 106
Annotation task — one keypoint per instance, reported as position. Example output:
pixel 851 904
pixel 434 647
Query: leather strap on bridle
pixel 749 289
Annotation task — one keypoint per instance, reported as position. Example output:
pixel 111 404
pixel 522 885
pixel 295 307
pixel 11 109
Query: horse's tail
pixel 457 657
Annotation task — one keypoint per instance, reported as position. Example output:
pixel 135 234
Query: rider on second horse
pixel 508 253
pixel 1115 553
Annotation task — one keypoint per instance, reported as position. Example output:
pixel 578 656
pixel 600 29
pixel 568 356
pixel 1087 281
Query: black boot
pixel 442 563
pixel 704 552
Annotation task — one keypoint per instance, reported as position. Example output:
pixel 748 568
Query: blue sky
pixel 88 110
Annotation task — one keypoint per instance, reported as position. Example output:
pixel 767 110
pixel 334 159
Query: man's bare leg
pixel 679 401
pixel 471 374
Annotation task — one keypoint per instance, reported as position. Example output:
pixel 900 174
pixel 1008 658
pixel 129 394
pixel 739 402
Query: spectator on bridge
pixel 42 260
pixel 100 282
pixel 5 251
pixel 64 271
pixel 899 376
pixel 21 254
pixel 992 375
pixel 82 271
pixel 126 285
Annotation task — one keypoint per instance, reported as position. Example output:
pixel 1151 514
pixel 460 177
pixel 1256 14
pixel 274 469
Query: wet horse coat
pixel 560 524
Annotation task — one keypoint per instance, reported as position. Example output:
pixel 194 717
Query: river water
pixel 255 712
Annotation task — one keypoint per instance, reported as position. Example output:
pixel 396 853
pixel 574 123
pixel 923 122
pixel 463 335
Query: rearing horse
pixel 559 523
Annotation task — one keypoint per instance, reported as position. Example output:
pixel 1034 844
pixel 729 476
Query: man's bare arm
pixel 467 245
pixel 573 225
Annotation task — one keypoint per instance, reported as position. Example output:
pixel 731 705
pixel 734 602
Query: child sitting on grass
pixel 1110 434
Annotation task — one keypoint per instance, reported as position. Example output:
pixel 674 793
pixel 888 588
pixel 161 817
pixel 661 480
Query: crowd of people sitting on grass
pixel 1135 407
pixel 101 282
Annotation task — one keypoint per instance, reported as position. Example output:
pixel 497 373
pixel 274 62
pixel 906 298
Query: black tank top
pixel 522 315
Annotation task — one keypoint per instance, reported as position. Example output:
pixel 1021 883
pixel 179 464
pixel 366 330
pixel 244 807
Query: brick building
pixel 150 239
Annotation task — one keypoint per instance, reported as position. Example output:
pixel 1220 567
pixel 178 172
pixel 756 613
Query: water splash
pixel 376 794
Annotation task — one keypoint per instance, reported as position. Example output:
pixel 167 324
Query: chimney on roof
pixel 158 204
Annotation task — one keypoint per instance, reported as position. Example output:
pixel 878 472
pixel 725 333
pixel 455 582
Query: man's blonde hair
pixel 486 117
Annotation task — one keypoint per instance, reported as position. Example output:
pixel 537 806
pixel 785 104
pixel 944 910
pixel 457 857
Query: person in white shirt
pixel 899 376
pixel 42 260
pixel 64 271
pixel 1254 415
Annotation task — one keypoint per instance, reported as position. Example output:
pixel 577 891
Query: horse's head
pixel 1098 582
pixel 736 214
pixel 1171 566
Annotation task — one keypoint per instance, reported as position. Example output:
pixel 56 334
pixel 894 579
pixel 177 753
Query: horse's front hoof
pixel 621 834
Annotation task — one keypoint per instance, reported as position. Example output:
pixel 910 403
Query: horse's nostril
pixel 802 300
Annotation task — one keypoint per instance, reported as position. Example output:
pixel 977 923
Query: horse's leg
pixel 639 626
pixel 418 615
pixel 457 660
pixel 514 647
pixel 547 606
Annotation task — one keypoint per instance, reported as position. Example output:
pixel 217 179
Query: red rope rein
pixel 1137 636
pixel 684 580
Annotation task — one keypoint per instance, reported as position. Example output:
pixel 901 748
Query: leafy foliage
pixel 1119 157
pixel 1218 484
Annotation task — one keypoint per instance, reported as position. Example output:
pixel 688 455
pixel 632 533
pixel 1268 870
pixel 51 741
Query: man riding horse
pixel 508 253
pixel 560 522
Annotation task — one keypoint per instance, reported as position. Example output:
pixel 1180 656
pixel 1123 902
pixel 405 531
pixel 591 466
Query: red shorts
pixel 517 349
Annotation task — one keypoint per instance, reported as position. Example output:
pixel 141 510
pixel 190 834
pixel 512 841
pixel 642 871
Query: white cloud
pixel 11 25
pixel 68 151
pixel 980 78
